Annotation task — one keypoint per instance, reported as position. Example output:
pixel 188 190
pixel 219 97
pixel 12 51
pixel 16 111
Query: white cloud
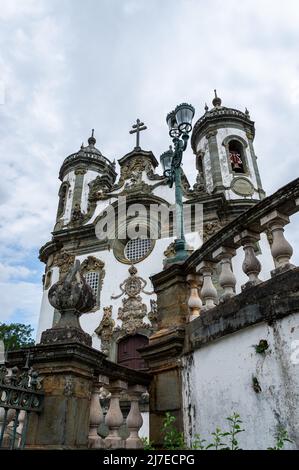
pixel 67 67
pixel 9 272
pixel 22 297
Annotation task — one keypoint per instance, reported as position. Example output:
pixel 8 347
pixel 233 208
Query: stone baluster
pixel 281 250
pixel 20 428
pixel 114 417
pixel 251 265
pixel 208 291
pixel 6 428
pixel 227 279
pixel 96 415
pixel 194 302
pixel 134 418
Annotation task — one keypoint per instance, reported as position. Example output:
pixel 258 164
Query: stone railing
pixel 215 256
pixel 114 418
pixel 74 378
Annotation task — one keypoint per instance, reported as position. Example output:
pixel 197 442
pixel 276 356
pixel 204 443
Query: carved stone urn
pixel 72 297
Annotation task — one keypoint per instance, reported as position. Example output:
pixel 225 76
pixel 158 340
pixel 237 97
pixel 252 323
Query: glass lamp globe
pixel 184 114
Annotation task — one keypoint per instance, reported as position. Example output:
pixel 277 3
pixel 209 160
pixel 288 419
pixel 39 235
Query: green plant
pixel 173 439
pixel 217 443
pixel 281 437
pixel 256 385
pixel 227 440
pixel 235 428
pixel 147 444
pixel 16 335
pixel 262 347
pixel 198 443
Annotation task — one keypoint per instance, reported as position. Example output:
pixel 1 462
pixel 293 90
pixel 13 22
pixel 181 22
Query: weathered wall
pixel 217 381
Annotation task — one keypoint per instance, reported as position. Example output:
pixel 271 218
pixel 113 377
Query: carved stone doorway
pixel 128 354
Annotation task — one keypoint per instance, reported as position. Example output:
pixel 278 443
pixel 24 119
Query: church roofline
pixel 88 155
pixel 216 115
pixel 137 151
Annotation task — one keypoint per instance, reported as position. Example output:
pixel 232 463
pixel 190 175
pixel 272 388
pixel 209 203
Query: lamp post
pixel 180 125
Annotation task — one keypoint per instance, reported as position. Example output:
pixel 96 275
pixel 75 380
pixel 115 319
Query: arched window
pixel 62 199
pixel 128 354
pixel 236 156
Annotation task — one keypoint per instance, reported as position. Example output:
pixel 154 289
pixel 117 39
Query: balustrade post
pixel 251 265
pixel 194 303
pixel 227 279
pixel 22 426
pixel 114 417
pixel 281 250
pixel 96 415
pixel 208 291
pixel 134 418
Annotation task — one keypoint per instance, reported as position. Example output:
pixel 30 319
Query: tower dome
pixel 76 172
pixel 222 140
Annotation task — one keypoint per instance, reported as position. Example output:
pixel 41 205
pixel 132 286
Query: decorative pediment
pixel 91 263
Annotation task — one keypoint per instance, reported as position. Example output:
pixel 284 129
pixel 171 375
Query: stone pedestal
pixel 68 376
pixel 162 355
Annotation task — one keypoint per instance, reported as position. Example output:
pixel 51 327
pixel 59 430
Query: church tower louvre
pixel 222 141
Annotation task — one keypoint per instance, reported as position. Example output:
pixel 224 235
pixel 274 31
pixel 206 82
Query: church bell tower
pixel 222 141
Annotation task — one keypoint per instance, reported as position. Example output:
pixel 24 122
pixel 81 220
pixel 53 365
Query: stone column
pixel 96 414
pixel 281 250
pixel 134 418
pixel 215 160
pixel 194 302
pixel 251 265
pixel 78 187
pixel 114 417
pixel 227 279
pixel 162 355
pixel 208 291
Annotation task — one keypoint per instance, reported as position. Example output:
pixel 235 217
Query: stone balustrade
pixel 114 418
pixel 213 261
pixel 79 376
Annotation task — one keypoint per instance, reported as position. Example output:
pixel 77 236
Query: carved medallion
pixel 242 186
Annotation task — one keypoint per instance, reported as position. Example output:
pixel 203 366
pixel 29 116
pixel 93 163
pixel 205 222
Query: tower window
pixel 236 156
pixel 62 199
pixel 92 279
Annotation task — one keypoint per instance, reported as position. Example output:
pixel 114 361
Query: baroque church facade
pixel 119 268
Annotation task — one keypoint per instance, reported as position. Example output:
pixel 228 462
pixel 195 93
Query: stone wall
pixel 222 372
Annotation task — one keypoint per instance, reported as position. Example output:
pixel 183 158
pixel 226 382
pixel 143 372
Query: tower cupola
pixel 76 172
pixel 222 140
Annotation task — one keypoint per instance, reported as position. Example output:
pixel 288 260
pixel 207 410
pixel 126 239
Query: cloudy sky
pixel 70 65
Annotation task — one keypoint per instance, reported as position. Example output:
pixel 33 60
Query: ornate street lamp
pixel 180 125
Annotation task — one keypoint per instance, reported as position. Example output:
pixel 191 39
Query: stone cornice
pixel 282 200
pixel 76 352
pixel 81 159
pixel 267 302
pixel 138 152
pixel 220 115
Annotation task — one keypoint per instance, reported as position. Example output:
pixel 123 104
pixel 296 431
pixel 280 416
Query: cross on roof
pixel 137 128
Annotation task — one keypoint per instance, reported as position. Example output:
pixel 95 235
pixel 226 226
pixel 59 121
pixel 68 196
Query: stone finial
pixel 216 101
pixel 72 297
pixel 92 139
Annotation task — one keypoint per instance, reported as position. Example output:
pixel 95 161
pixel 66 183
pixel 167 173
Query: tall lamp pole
pixel 180 125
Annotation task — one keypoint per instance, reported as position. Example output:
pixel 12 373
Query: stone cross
pixel 137 128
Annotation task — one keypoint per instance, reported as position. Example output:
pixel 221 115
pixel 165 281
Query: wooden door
pixel 128 355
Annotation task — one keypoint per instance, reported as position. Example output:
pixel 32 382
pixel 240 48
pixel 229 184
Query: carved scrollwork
pixel 63 260
pixel 210 228
pixel 105 329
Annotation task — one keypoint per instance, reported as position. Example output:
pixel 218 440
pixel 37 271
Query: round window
pixel 137 249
